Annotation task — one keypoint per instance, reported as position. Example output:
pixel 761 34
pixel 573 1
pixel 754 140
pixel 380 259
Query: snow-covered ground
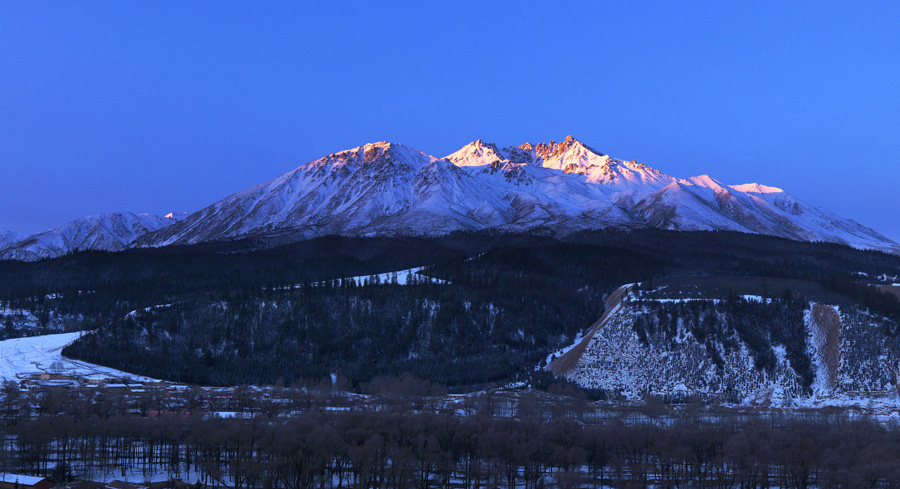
pixel 681 299
pixel 148 309
pixel 22 358
pixel 400 277
pixel 756 298
pixel 21 318
pixel 144 476
pixel 616 360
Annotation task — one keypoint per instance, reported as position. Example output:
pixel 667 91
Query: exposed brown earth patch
pixel 890 289
pixel 565 363
pixel 827 333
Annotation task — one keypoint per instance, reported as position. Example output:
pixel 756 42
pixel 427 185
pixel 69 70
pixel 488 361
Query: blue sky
pixel 169 106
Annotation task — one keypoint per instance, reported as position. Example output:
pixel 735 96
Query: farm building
pixel 18 481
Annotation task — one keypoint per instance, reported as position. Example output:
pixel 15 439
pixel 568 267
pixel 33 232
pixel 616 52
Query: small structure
pixel 55 376
pixel 163 484
pixel 50 384
pixel 169 484
pixel 18 481
pixel 124 485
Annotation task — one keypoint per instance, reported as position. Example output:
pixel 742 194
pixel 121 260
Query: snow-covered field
pixel 400 277
pixel 22 358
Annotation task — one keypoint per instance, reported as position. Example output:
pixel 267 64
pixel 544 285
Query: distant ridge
pixel 109 232
pixel 388 189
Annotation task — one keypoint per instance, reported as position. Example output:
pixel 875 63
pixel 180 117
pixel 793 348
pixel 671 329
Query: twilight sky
pixel 170 106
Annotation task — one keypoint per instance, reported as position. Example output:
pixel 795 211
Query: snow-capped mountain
pixel 379 188
pixel 390 189
pixel 109 232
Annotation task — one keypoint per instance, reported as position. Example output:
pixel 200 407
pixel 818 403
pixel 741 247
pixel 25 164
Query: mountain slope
pixel 703 203
pixel 739 350
pixel 390 189
pixel 378 188
pixel 9 238
pixel 108 232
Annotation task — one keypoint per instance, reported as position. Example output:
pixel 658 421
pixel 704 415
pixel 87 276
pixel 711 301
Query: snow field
pixel 23 358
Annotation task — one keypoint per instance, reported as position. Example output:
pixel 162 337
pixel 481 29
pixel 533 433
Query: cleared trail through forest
pixel 568 360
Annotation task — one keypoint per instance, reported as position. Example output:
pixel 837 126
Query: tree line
pixel 230 318
pixel 495 319
pixel 423 451
pixel 727 325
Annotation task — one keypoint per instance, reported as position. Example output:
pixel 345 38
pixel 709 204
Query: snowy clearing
pixel 682 299
pixel 399 277
pixel 27 358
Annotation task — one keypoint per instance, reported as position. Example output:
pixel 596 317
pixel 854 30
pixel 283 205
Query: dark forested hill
pixel 494 307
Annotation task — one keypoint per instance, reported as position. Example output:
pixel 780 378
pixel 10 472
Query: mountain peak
pixel 756 188
pixel 385 145
pixel 370 150
pixel 706 181
pixel 176 216
pixel 570 156
pixel 380 153
pixel 476 153
pixel 546 151
pixel 571 142
pixel 479 144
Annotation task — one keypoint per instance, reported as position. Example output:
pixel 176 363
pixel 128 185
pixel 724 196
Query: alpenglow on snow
pixel 388 189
